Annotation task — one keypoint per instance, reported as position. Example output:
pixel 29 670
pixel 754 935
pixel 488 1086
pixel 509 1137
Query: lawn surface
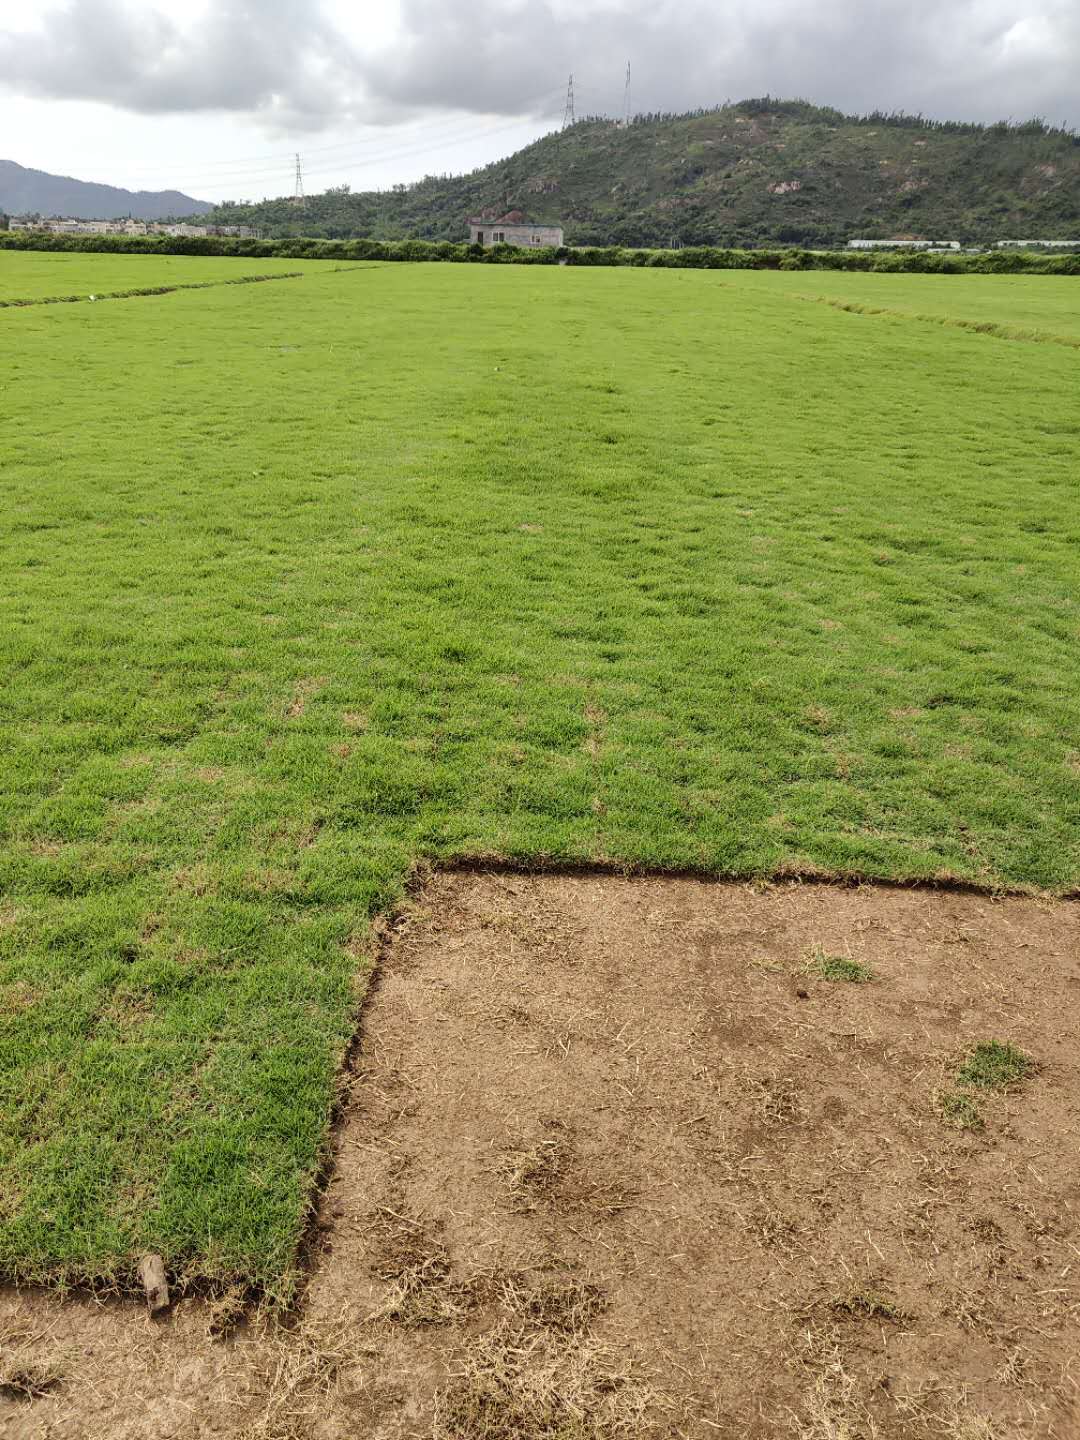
pixel 1044 306
pixel 302 582
pixel 38 275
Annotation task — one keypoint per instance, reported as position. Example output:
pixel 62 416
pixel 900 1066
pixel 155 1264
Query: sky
pixel 215 97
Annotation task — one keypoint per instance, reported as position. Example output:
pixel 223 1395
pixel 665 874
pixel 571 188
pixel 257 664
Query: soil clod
pixel 155 1283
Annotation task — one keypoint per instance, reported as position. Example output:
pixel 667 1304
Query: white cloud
pixel 377 82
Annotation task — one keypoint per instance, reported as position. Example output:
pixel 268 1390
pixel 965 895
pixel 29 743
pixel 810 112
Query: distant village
pixel 488 229
pixel 130 227
pixel 912 242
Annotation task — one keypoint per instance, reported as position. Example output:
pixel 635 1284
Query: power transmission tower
pixel 626 97
pixel 568 113
pixel 298 193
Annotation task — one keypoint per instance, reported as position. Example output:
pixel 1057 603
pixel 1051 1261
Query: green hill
pixel 757 172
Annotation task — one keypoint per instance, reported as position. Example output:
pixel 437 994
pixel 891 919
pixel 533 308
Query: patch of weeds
pixel 837 967
pixel 960 1110
pixel 539 1375
pixel 425 1295
pixel 992 1065
pixel 867 1304
pixel 966 1307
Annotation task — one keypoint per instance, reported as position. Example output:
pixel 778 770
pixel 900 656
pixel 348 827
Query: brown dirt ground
pixel 613 1164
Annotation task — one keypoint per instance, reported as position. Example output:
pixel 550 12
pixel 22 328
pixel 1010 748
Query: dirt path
pixel 617 1163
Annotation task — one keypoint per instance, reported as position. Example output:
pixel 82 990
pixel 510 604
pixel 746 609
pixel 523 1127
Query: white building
pixel 903 244
pixel 512 229
pixel 1038 244
pixel 80 227
pixel 132 227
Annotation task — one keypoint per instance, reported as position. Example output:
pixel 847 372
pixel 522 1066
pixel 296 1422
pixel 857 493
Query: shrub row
pixel 701 257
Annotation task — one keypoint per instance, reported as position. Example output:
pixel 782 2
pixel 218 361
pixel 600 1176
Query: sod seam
pixel 147 290
pixel 990 328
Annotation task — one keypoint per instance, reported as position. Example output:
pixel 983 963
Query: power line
pixel 341 163
pixel 428 149
pixel 357 154
pixel 286 165
pixel 270 161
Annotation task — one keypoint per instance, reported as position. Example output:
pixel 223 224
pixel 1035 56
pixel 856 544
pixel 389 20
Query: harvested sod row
pixel 39 275
pixel 302 584
pixel 616 1162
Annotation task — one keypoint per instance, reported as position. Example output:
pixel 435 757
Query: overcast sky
pixel 214 96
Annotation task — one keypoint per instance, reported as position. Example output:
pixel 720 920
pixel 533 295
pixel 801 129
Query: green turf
pixel 37 275
pixel 992 1065
pixel 989 1065
pixel 301 582
pixel 840 968
pixel 1041 305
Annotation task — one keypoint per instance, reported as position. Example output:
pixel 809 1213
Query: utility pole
pixel 568 113
pixel 626 97
pixel 298 193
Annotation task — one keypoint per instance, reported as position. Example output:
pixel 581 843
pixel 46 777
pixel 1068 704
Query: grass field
pixel 303 583
pixel 1038 306
pixel 39 275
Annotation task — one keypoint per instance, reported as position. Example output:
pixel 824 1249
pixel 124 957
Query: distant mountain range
pixel 34 192
pixel 763 171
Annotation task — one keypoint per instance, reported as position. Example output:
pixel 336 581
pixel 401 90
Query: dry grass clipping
pixel 24 1374
pixel 831 1408
pixel 308 1365
pixel 549 1173
pixel 562 1305
pixel 772 1229
pixel 539 1375
pixel 417 1266
pixel 534 1173
pixel 964 1424
pixel 28 1380
pixel 226 1312
pixel 775 1097
pixel 513 1385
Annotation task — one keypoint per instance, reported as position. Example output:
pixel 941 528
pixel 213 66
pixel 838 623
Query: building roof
pixel 512 217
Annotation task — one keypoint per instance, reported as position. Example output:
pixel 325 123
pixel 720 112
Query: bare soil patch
pixel 629 1158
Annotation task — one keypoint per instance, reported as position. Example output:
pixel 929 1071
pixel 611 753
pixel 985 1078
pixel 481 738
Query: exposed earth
pixel 627 1157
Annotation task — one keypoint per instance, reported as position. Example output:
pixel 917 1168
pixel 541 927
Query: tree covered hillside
pixel 760 171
